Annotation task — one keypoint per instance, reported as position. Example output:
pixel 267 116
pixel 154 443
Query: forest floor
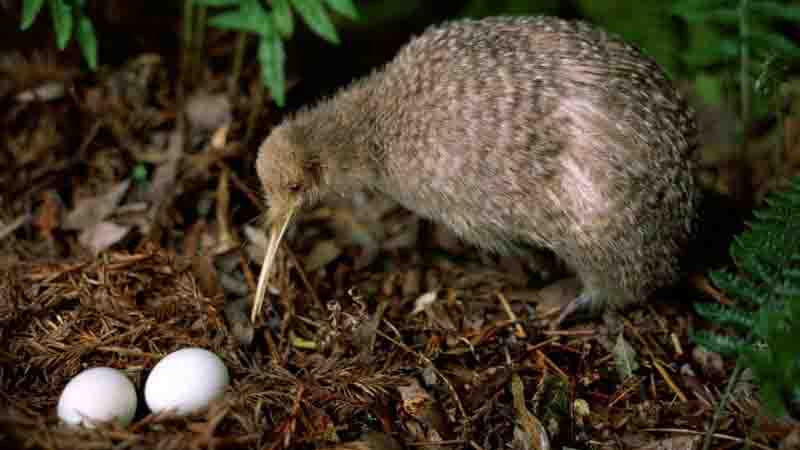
pixel 127 233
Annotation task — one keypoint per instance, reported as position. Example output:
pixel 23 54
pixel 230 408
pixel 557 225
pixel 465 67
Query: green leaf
pixel 710 88
pixel 61 13
pixel 282 16
pixel 776 42
pixel 724 345
pixel 234 20
pixel 250 17
pixel 343 7
pixel 216 2
pixel 317 19
pixel 139 173
pixel 30 9
pixel 624 358
pixel 699 5
pixel 272 57
pixel 776 10
pixel 726 52
pixel 87 41
pixel 722 16
pixel 742 289
pixel 725 315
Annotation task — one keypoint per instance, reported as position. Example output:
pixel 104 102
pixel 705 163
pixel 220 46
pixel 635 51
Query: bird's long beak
pixel 277 229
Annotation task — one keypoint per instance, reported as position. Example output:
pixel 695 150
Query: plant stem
pixel 744 71
pixel 780 149
pixel 198 41
pixel 238 61
pixel 255 110
pixel 723 404
pixel 186 58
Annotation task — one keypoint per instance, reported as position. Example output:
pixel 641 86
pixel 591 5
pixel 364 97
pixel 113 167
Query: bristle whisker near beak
pixel 277 231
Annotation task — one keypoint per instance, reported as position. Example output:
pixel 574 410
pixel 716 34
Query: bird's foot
pixel 583 304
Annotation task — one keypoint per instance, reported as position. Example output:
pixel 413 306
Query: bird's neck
pixel 339 134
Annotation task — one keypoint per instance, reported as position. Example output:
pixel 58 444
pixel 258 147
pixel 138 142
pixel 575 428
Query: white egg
pixel 186 381
pixel 100 394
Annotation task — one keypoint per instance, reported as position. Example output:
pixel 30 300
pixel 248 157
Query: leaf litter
pixel 376 335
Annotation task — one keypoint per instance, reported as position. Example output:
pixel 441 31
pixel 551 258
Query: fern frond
pixel 726 315
pixel 724 345
pixel 740 288
pixel 768 291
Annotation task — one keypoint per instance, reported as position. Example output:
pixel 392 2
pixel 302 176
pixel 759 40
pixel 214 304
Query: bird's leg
pixel 584 303
pixel 590 303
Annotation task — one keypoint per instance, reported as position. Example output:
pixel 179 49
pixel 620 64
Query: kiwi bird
pixel 516 133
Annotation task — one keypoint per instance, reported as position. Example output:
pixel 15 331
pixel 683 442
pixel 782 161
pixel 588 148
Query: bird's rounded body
pixel 516 132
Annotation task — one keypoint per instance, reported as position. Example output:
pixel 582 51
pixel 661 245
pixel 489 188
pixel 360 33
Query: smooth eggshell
pixel 186 381
pixel 100 394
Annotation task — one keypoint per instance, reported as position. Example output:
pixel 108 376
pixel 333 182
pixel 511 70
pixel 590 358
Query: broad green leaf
pixel 343 7
pixel 692 7
pixel 776 42
pixel 30 9
pixel 272 57
pixel 216 2
pixel 282 15
pixel 725 53
pixel 87 41
pixel 710 88
pixel 695 5
pixel 61 13
pixel 250 17
pixel 777 10
pixel 723 16
pixel 314 15
pixel 233 20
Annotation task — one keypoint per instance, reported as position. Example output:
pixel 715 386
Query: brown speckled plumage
pixel 514 132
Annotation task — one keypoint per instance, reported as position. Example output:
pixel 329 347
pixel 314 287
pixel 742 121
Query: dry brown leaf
pixel 257 247
pixel 792 440
pixel 91 211
pixel 369 441
pixel 710 363
pixel 423 407
pixel 165 177
pixel 48 217
pixel 45 92
pixel 425 301
pixel 102 235
pixel 530 434
pixel 360 231
pixel 8 228
pixel 207 112
pixel 412 282
pixel 675 443
pixel 238 315
pixel 207 277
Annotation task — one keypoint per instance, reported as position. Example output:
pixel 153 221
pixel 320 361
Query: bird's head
pixel 290 177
